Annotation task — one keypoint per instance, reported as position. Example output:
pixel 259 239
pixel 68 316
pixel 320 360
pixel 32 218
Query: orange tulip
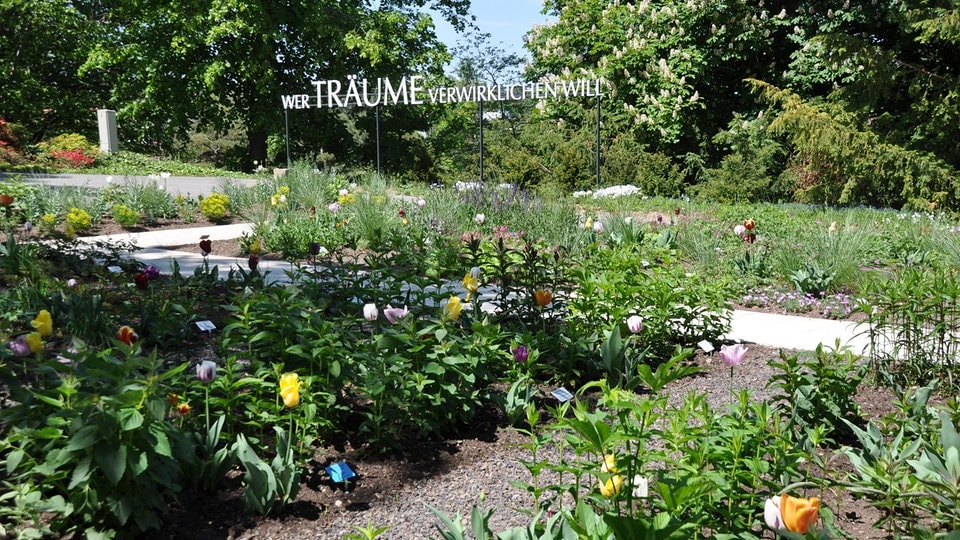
pixel 127 335
pixel 749 224
pixel 543 297
pixel 799 513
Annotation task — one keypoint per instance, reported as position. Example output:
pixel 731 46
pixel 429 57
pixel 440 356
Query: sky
pixel 505 20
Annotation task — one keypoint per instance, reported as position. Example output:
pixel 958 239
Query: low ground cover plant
pixel 405 316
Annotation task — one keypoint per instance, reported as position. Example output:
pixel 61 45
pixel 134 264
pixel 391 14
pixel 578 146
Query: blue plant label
pixel 115 269
pixel 206 326
pixel 340 472
pixel 562 394
pixel 706 346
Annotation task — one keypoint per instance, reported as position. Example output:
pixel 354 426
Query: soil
pixel 452 475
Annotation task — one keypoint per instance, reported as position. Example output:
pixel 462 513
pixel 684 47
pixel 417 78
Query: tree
pixel 196 64
pixel 41 51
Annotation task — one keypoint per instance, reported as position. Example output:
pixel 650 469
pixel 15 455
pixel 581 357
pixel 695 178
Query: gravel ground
pixel 451 475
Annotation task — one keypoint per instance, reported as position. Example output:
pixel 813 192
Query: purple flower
pixel 19 346
pixel 520 353
pixel 206 371
pixel 394 314
pixel 72 283
pixel 152 272
pixel 733 355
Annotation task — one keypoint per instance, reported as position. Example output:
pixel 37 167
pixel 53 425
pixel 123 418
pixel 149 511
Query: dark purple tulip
pixel 520 353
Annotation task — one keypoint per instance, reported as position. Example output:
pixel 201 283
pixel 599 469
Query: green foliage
pixel 269 487
pixel 125 216
pixel 108 458
pixel 215 206
pixel 79 219
pixel 818 392
pixel 908 322
pixel 837 163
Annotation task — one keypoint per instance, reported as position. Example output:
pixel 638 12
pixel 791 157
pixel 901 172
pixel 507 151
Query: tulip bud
pixel 206 371
pixel 370 312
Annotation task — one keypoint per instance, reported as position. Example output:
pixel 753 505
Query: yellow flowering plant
pixel 43 323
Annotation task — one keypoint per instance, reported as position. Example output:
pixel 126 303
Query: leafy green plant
pixel 215 206
pixel 79 219
pixel 125 216
pixel 270 487
pixel 819 392
pixel 109 455
pixel 812 280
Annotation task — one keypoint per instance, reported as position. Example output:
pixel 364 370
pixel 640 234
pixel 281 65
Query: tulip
pixel 141 280
pixel 253 261
pixel 183 409
pixel 152 271
pixel 588 224
pixel 206 246
pixel 370 312
pixel 598 227
pixel 6 200
pixel 749 224
pixel 401 213
pixel 334 207
pixel 453 308
pixel 771 513
pixel 43 323
pixel 479 219
pixel 315 248
pixel 19 346
pixel 127 335
pixel 612 486
pixel 543 298
pixel 72 283
pixel 471 283
pixel 290 389
pixel 394 315
pixel 739 229
pixel 796 514
pixel 733 355
pixel 634 324
pixel 34 341
pixel 421 203
pixel 520 353
pixel 207 371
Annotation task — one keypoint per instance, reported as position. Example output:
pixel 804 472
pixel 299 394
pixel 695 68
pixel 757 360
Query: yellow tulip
pixel 471 284
pixel 612 486
pixel 799 513
pixel 34 341
pixel 290 389
pixel 43 323
pixel 453 308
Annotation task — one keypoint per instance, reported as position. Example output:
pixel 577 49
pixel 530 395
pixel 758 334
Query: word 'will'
pixel 358 92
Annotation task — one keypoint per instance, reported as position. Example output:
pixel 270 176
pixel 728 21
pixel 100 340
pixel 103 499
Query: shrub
pixel 79 219
pixel 71 150
pixel 215 207
pixel 124 215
